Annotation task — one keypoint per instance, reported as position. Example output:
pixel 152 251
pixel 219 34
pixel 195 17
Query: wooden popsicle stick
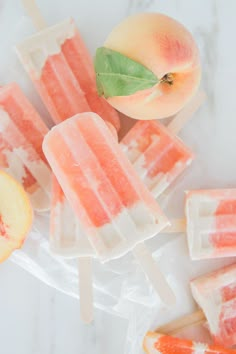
pixel 176 226
pixel 178 325
pixel 85 289
pixel 154 275
pixel 186 113
pixel 34 13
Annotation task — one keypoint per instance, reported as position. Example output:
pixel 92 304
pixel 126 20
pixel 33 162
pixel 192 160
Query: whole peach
pixel 165 47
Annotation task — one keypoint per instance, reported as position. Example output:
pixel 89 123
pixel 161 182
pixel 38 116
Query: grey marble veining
pixel 138 6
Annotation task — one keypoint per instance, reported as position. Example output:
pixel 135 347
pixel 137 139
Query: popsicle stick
pixel 85 289
pixel 34 13
pixel 154 275
pixel 178 325
pixel 186 113
pixel 176 226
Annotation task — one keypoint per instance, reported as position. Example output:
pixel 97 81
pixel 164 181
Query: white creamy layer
pixel 199 348
pixel 39 200
pixel 210 308
pixel 66 236
pixel 34 51
pixel 130 227
pixel 131 150
pixel 199 226
pixel 23 156
pixel 38 169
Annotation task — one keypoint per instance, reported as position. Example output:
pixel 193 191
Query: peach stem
pixel 168 79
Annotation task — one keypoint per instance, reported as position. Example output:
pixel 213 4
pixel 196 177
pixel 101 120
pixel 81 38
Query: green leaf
pixel 118 75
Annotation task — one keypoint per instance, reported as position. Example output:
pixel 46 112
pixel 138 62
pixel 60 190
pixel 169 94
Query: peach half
pixel 16 215
pixel 165 47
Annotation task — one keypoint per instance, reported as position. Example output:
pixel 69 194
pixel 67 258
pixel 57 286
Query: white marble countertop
pixel 36 319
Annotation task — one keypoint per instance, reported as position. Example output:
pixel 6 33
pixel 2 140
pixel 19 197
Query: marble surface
pixel 36 319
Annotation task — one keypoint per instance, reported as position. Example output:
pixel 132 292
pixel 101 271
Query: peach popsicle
pixel 114 207
pixel 215 293
pixel 155 151
pixel 101 185
pixel 67 239
pixel 157 343
pixel 21 135
pixel 211 223
pixel 61 68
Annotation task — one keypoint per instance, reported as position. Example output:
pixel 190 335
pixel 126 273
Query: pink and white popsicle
pixel 211 223
pixel 115 209
pixel 158 343
pixel 21 135
pixel 157 155
pixel 101 185
pixel 215 293
pixel 61 68
pixel 156 152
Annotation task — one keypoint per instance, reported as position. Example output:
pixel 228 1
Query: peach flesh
pixel 167 48
pixel 16 215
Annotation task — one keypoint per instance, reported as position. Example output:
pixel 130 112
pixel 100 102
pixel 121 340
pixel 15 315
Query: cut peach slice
pixel 16 215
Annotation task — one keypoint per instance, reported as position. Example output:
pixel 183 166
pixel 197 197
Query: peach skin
pixel 166 48
pixel 16 215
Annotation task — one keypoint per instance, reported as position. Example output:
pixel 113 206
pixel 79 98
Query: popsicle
pixel 211 223
pixel 156 152
pixel 215 293
pixel 157 343
pixel 114 208
pixel 21 135
pixel 61 68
